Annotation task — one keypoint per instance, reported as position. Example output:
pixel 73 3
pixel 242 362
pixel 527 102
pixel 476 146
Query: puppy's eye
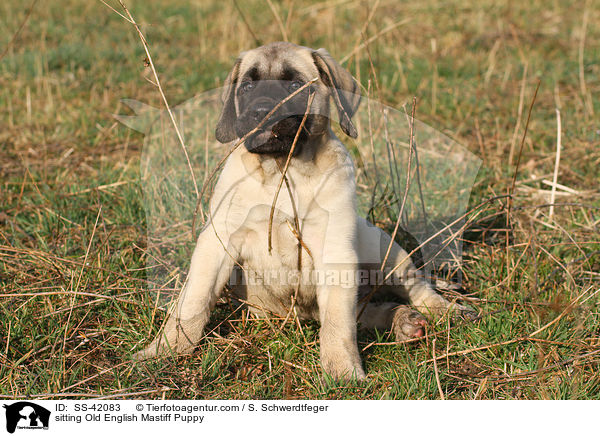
pixel 247 86
pixel 295 85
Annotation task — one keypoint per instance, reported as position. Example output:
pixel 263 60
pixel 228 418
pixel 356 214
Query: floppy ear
pixel 344 89
pixel 225 131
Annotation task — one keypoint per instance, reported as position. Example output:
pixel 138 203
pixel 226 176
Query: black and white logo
pixel 26 415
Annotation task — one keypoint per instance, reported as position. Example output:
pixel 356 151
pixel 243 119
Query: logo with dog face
pixel 26 415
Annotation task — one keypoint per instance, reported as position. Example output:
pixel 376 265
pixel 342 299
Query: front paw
pixel 178 337
pixel 342 362
pixel 344 371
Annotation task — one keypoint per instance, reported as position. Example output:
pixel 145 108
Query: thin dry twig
pixel 399 218
pixel 96 375
pixel 256 40
pixel 18 32
pixel 278 19
pixel 361 35
pixel 435 370
pixel 411 137
pixel 162 94
pixel 374 37
pixel 295 229
pixel 72 294
pixel 514 179
pixel 116 12
pixel 513 141
pixel 589 106
pixel 546 368
pixel 285 168
pixel 556 164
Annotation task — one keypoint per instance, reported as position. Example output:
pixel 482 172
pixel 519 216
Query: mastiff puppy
pixel 309 258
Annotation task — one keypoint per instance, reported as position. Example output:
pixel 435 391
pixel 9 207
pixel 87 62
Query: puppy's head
pixel 263 77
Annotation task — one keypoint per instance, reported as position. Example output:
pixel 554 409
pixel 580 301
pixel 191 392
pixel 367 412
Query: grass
pixel 73 230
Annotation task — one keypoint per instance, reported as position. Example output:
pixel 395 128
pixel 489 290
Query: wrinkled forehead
pixel 275 63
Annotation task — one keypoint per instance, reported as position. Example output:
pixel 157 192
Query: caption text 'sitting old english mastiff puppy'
pixel 316 237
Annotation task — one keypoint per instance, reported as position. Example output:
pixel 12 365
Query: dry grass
pixel 73 246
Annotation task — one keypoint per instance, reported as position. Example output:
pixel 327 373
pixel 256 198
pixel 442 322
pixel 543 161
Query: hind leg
pixel 373 244
pixel 404 322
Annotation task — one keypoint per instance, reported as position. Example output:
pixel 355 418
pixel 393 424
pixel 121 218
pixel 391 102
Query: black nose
pixel 260 112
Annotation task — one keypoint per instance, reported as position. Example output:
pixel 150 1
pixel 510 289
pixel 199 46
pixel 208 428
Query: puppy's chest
pixel 271 237
pixel 275 268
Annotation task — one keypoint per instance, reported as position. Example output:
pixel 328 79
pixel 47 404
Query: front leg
pixel 337 313
pixel 210 269
pixel 335 260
